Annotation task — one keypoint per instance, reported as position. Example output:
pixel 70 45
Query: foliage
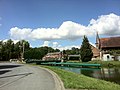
pixel 10 50
pixel 38 53
pixel 85 50
pixel 114 52
pixel 73 51
pixel 77 81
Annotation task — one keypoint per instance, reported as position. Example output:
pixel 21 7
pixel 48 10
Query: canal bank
pixel 95 70
pixel 77 81
pixel 107 74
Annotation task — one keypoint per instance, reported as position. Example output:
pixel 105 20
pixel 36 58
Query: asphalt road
pixel 25 77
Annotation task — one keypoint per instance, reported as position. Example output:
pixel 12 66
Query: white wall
pixel 107 57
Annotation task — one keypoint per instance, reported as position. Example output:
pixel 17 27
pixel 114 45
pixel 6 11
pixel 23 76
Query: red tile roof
pixel 110 42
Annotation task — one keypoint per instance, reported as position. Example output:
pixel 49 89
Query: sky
pixel 58 23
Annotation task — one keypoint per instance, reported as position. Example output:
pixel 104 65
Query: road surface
pixel 26 77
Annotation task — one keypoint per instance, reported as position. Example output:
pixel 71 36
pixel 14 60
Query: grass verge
pixel 103 63
pixel 106 63
pixel 77 81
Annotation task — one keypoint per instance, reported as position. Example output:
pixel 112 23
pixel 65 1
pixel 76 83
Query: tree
pixel 9 50
pixel 38 53
pixel 85 50
pixel 56 50
pixel 21 47
pixel 73 51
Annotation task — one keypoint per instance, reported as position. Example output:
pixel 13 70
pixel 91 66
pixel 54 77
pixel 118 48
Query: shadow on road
pixel 4 71
pixel 8 66
pixel 24 74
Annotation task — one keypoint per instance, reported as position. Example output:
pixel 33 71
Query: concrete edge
pixel 58 82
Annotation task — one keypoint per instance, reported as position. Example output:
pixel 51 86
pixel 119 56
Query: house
pixel 96 52
pixel 109 48
pixel 53 56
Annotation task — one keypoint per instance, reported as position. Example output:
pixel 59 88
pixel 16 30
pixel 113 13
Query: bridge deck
pixel 59 63
pixel 72 64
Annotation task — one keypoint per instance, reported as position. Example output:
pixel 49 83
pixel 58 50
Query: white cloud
pixel 17 33
pixel 105 24
pixel 92 44
pixel 61 48
pixel 55 44
pixel 14 41
pixel 46 43
pixel 5 40
pixel 68 30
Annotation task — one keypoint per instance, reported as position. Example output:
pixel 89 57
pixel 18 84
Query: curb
pixel 58 83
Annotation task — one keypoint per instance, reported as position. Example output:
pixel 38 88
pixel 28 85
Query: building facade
pixel 96 53
pixel 53 56
pixel 109 48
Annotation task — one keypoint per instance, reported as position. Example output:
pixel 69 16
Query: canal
pixel 108 74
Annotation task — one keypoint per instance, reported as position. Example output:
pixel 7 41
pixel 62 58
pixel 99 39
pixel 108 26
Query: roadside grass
pixel 78 81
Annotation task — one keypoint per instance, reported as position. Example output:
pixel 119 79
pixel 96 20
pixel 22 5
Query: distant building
pixel 53 56
pixel 106 45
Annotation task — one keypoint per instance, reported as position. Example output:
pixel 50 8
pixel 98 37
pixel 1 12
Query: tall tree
pixel 85 50
pixel 9 48
pixel 21 47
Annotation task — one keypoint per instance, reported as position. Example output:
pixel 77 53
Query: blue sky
pixel 58 23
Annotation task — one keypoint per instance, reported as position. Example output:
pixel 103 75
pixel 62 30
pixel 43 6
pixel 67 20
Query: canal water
pixel 108 74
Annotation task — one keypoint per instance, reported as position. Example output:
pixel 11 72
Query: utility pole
pixel 23 49
pixel 62 58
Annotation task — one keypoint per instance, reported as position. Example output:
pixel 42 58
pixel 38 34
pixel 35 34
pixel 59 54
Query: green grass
pixel 77 81
pixel 106 63
pixel 103 63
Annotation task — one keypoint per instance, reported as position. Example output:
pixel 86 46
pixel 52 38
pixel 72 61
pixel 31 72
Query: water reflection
pixel 108 74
